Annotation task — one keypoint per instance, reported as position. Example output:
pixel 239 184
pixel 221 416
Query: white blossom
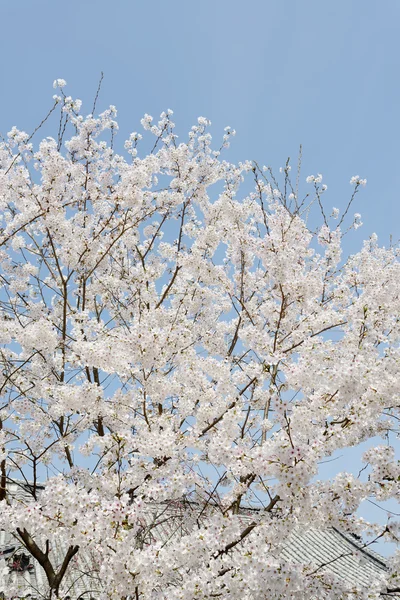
pixel 174 333
pixel 59 83
pixel 356 180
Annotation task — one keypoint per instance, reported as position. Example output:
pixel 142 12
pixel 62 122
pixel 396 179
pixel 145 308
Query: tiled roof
pixel 330 547
pixel 336 550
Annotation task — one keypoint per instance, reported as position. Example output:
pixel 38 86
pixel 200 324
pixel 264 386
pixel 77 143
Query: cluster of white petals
pixel 167 337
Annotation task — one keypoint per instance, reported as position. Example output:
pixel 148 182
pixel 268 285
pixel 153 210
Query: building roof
pixel 341 553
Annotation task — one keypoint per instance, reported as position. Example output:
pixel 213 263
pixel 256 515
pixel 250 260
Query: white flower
pixel 314 179
pixel 237 343
pixel 146 121
pixel 59 83
pixel 355 180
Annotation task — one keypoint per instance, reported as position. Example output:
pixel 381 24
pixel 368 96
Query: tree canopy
pixel 176 328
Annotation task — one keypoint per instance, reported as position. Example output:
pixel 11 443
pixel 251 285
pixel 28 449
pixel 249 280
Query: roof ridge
pixel 362 548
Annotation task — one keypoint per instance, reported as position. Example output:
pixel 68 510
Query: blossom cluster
pixel 169 336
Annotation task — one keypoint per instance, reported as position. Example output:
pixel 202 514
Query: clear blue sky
pixel 281 72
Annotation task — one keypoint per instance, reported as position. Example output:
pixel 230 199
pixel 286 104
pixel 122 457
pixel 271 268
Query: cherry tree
pixel 181 332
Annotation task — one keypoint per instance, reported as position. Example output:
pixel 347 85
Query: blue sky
pixel 281 72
